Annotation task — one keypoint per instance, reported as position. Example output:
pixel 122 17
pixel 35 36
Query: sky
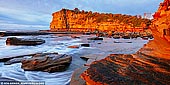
pixel 36 14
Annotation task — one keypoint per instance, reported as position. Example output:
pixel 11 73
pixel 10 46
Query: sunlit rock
pixel 149 66
pixel 123 69
pixel 88 21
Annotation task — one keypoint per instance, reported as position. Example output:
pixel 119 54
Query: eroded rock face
pixel 77 20
pixel 161 22
pixel 49 62
pixel 120 69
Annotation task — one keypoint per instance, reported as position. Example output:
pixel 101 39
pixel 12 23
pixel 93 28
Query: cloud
pixel 24 15
pixel 38 12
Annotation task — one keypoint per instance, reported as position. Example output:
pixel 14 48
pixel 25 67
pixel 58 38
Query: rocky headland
pixel 80 20
pixel 149 65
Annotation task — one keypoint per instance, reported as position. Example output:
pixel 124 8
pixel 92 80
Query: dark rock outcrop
pixel 48 62
pixel 95 38
pixel 21 41
pixel 85 45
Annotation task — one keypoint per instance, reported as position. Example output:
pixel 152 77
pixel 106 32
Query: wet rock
pixel 99 43
pixel 12 61
pixel 92 57
pixel 8 58
pixel 85 45
pixel 95 38
pixel 73 36
pixel 122 42
pixel 116 36
pixel 75 79
pixel 144 38
pixel 135 35
pixel 48 62
pixel 21 41
pixel 120 69
pixel 126 36
pixel 74 46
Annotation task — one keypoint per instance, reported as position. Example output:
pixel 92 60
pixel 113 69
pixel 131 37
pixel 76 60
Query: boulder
pixel 73 36
pixel 126 36
pixel 48 62
pixel 85 45
pixel 116 36
pixel 95 38
pixel 21 41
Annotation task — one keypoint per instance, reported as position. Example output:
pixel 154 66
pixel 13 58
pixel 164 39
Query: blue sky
pixel 37 13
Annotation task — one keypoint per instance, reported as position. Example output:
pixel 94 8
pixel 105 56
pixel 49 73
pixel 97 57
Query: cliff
pixel 150 65
pixel 161 22
pixel 76 20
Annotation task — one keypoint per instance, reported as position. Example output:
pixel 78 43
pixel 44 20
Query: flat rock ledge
pixel 47 62
pixel 75 79
pixel 128 69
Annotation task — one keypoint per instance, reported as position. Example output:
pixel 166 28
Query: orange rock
pixel 119 69
pixel 150 65
pixel 74 46
pixel 81 21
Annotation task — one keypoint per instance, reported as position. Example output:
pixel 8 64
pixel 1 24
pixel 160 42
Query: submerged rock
pixel 21 41
pixel 122 42
pixel 48 62
pixel 14 60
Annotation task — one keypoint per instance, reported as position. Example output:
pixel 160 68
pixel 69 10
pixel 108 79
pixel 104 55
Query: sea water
pixel 59 43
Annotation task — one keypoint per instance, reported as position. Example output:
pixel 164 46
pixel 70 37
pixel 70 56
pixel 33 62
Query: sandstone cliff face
pixel 161 22
pixel 160 46
pixel 150 65
pixel 76 20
